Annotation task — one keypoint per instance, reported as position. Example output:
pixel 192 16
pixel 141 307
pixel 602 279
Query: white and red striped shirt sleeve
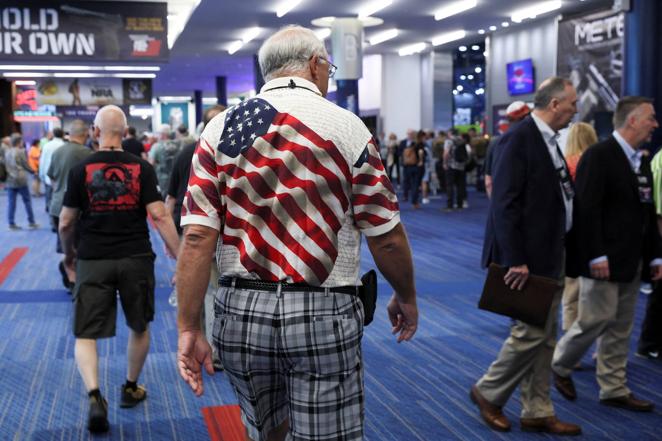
pixel 374 202
pixel 203 203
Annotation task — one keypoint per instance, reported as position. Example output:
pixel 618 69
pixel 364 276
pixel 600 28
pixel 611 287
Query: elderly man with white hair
pixel 107 199
pixel 288 182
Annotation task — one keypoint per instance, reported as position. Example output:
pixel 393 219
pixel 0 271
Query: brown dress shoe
pixel 549 425
pixel 565 386
pixel 629 402
pixel 491 413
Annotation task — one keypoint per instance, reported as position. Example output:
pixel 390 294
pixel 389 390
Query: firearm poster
pixel 590 54
pixel 41 30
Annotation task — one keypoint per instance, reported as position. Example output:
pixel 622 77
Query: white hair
pixel 288 51
pixel 111 119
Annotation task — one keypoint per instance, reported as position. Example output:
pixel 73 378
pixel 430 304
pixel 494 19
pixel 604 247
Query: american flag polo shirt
pixel 290 180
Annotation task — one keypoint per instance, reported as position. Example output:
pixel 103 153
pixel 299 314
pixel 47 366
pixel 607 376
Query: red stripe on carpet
pixel 10 261
pixel 224 423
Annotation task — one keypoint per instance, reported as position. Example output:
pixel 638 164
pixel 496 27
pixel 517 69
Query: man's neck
pixel 629 137
pixel 546 117
pixel 78 140
pixel 110 143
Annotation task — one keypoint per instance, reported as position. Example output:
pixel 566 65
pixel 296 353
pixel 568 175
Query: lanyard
pixel 564 177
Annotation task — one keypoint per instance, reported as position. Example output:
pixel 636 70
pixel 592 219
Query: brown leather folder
pixel 530 305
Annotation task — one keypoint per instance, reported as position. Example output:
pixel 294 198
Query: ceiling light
pixel 470 77
pixel 286 7
pixel 478 69
pixel 374 7
pixel 480 91
pixel 535 10
pixel 174 98
pixel 78 68
pixel 235 46
pixel 448 37
pixel 481 31
pixel 454 92
pixel 463 77
pixel 454 8
pixel 493 28
pixel 475 47
pixel 25 83
pixel 134 75
pixel 250 34
pixel 24 75
pixel 462 48
pixel 412 49
pixel 460 88
pixel 323 33
pixel 383 36
pixel 77 75
pixel 136 68
pixel 505 24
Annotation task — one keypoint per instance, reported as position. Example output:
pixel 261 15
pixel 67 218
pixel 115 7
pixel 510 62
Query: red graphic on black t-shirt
pixel 113 187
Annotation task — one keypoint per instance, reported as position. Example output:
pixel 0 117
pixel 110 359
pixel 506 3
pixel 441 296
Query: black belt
pixel 262 285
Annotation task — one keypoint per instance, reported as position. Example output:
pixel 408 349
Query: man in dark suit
pixel 617 236
pixel 530 213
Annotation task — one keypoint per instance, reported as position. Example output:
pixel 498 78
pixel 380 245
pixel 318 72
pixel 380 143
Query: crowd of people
pixel 427 163
pixel 265 212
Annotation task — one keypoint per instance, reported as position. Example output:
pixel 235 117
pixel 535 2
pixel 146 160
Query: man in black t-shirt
pixel 107 200
pixel 132 145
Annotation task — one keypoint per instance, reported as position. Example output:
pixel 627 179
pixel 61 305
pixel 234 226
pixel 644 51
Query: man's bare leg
pixel 87 361
pixel 137 350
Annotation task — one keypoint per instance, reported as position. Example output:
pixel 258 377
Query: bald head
pixel 110 120
pixel 109 127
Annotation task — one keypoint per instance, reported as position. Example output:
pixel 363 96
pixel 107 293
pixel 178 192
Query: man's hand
pixel 193 351
pixel 403 317
pixel 517 276
pixel 656 272
pixel 600 270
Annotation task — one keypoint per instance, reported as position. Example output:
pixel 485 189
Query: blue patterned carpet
pixel 415 391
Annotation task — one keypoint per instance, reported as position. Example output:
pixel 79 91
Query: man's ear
pixel 313 65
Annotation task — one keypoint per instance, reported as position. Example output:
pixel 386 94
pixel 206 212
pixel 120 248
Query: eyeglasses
pixel 332 67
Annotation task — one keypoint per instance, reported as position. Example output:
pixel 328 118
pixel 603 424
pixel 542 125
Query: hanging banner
pixel 590 54
pixel 137 91
pixel 93 91
pixel 80 92
pixel 174 114
pixel 40 30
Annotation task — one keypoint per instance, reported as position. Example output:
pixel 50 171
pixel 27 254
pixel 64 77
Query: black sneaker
pixel 130 397
pixel 97 421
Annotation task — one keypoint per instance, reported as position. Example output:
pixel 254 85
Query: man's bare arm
pixel 392 255
pixel 165 226
pixel 193 268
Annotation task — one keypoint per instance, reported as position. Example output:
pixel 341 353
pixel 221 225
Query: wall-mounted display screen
pixel 521 78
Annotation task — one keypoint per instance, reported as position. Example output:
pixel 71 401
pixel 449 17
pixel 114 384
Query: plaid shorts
pixel 296 355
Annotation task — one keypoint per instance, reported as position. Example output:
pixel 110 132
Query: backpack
pixel 460 154
pixel 170 150
pixel 409 156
